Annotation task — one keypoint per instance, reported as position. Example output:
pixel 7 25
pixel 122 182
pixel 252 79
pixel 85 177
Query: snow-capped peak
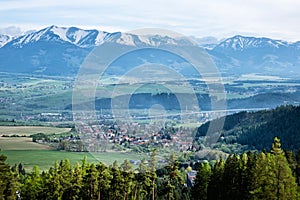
pixel 91 38
pixel 130 39
pixel 76 36
pixel 239 43
pixel 126 39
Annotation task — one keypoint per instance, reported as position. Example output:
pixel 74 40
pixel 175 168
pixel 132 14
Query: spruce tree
pixel 117 181
pixel 199 190
pixel 143 187
pixel 128 179
pixel 297 170
pixel 232 178
pixel 8 180
pixel 90 183
pixel 76 182
pixel 273 177
pixel 153 175
pixel 104 179
pixel 276 147
pixel 214 190
pixel 175 180
pixel 33 186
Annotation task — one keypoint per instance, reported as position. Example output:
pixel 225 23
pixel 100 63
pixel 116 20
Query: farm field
pixel 21 143
pixel 23 150
pixel 45 159
pixel 29 130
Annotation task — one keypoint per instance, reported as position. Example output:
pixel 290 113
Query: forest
pixel 245 131
pixel 267 175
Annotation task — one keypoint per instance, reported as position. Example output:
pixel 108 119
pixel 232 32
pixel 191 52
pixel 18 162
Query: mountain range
pixel 60 51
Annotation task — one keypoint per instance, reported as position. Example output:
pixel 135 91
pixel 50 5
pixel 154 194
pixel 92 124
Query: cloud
pixel 11 30
pixel 271 18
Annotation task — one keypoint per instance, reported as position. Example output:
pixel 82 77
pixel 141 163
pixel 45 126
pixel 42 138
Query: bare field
pixel 21 143
pixel 29 130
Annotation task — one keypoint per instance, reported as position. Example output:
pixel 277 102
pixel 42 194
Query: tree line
pixel 266 175
pixel 94 181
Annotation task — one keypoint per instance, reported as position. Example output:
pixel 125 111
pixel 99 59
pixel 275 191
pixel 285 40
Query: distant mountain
pixel 241 43
pixel 207 42
pixel 78 37
pixel 241 54
pixel 265 100
pixel 61 50
pixel 50 51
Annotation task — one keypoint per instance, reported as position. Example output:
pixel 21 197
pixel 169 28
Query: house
pixel 190 178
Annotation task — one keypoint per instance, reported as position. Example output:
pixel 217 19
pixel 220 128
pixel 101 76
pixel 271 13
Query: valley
pixel 30 101
pixel 36 98
pixel 156 110
pixel 149 100
pixel 149 106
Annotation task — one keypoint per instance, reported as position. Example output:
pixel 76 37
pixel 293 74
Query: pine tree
pixel 143 181
pixel 90 183
pixel 153 175
pixel 32 186
pixel 290 157
pixel 273 177
pixel 116 189
pixel 76 182
pixel 175 180
pixel 276 147
pixel 199 191
pixel 104 179
pixel 64 174
pixel 8 180
pixel 248 175
pixel 232 178
pixel 297 170
pixel 214 190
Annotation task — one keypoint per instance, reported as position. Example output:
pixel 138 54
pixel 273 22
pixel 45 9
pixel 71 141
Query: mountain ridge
pixel 204 42
pixel 68 46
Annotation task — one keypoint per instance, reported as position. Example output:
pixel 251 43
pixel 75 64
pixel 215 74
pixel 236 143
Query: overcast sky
pixel 277 19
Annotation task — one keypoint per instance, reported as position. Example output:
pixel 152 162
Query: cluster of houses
pixel 135 134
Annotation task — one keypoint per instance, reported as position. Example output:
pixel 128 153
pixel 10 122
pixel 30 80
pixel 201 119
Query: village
pixel 135 136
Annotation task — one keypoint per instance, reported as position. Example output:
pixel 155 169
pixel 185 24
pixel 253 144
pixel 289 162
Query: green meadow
pixel 23 150
pixel 45 159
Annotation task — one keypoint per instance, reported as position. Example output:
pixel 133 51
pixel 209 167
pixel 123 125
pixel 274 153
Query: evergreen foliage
pixel 256 130
pixel 248 176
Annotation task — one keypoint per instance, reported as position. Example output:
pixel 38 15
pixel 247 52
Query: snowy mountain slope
pixel 241 54
pixel 4 39
pixel 129 39
pixel 240 43
pixel 61 50
pixel 79 37
pixel 91 38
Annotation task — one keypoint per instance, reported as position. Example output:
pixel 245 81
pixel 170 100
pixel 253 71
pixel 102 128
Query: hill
pixel 255 130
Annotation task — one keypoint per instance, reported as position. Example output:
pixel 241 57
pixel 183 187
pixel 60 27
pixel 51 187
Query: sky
pixel 278 19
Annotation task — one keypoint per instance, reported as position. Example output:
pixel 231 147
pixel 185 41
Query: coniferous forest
pixel 266 175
